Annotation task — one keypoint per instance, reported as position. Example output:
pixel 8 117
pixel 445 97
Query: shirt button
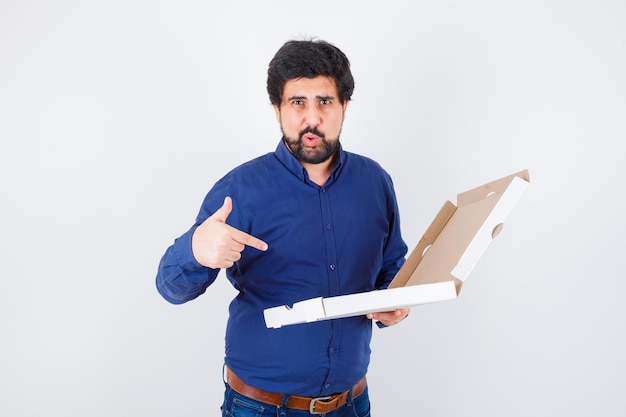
pixel 332 267
pixel 328 226
pixel 327 386
pixel 331 350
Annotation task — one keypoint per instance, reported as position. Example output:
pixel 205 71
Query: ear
pixel 345 107
pixel 277 110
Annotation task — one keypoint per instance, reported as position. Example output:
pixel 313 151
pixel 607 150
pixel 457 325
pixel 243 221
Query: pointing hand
pixel 216 244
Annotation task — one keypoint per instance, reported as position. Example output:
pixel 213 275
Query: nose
pixel 312 116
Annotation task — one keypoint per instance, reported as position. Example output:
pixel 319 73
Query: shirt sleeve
pixel 180 278
pixel 395 249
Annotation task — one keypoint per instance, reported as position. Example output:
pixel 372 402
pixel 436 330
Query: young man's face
pixel 310 117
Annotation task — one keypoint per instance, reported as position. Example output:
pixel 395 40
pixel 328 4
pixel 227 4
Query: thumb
pixel 222 214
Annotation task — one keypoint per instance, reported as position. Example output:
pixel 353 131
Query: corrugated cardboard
pixel 437 267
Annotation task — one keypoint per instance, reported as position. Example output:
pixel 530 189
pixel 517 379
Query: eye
pixel 325 101
pixel 297 102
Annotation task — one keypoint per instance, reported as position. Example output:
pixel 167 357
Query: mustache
pixel 312 130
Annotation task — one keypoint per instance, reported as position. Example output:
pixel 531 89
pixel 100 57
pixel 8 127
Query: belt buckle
pixel 315 400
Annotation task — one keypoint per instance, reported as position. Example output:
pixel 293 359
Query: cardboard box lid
pixel 438 265
pixel 459 235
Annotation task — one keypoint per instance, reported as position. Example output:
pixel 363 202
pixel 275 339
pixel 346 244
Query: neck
pixel 319 173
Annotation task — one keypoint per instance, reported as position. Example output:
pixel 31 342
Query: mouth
pixel 310 139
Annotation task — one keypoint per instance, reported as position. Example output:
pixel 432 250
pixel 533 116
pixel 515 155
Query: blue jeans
pixel 236 405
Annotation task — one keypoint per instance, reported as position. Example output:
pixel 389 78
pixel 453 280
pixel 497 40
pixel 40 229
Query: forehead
pixel 310 87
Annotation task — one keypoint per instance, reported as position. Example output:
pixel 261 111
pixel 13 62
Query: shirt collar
pixel 292 164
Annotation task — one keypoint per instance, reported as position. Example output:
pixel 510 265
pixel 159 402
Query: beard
pixel 321 153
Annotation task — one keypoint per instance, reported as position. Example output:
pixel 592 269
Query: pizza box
pixel 438 265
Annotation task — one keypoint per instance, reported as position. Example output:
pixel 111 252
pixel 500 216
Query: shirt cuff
pixel 184 254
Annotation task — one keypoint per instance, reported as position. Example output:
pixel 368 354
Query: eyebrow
pixel 304 98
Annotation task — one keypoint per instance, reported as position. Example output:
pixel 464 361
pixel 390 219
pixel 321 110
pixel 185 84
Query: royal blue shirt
pixel 341 238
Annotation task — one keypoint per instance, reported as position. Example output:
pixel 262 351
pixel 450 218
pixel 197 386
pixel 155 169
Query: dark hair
pixel 309 58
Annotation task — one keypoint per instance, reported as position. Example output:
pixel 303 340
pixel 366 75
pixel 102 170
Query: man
pixel 307 220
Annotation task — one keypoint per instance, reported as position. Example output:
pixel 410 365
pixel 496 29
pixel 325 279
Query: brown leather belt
pixel 319 405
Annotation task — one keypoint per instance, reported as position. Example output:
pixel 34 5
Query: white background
pixel 116 118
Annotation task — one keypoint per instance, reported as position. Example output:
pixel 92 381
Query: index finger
pixel 249 240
